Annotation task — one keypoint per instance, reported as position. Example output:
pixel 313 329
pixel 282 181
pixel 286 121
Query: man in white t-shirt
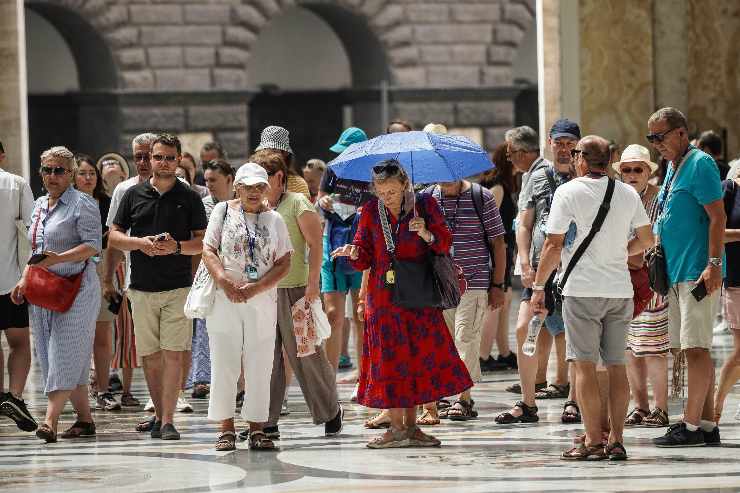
pixel 597 304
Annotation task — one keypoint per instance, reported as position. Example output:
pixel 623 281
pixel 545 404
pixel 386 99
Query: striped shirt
pixel 469 247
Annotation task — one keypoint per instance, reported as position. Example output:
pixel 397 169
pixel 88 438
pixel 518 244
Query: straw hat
pixel 635 153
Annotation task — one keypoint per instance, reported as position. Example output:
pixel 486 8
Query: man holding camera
pixel 167 222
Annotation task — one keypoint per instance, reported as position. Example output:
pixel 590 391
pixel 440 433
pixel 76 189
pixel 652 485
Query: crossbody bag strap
pixel 596 226
pixel 386 227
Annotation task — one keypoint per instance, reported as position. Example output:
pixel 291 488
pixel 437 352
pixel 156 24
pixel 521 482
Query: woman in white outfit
pixel 247 251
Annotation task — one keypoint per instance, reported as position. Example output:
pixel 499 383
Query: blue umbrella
pixel 426 157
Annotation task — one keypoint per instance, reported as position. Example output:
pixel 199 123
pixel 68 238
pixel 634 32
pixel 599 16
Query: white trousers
pixel 241 334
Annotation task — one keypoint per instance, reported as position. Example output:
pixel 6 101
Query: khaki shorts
pixel 690 322
pixel 465 323
pixel 596 329
pixel 160 322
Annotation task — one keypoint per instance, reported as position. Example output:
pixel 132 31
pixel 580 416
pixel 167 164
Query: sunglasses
pixel 626 171
pixel 162 157
pixel 142 156
pixel 389 169
pixel 56 171
pixel 658 137
pixel 260 187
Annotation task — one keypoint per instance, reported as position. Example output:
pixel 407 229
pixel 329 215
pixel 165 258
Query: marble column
pixel 13 110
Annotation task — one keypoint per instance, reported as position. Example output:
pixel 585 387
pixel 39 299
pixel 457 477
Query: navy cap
pixel 565 128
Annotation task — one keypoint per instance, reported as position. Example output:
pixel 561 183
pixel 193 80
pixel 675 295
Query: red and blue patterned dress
pixel 409 357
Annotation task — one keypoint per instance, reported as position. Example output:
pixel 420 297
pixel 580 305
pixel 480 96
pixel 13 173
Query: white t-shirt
pixel 16 202
pixel 115 203
pixel 602 271
pixel 231 232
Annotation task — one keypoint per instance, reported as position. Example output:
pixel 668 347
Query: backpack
pixel 476 190
pixel 342 232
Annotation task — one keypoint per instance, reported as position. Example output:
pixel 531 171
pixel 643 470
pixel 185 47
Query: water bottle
pixel 534 329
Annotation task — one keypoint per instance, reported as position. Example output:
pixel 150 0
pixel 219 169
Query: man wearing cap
pixel 340 201
pixel 161 221
pixel 275 138
pixel 690 228
pixel 597 295
pixel 535 201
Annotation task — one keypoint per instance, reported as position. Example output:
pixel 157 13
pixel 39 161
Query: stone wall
pixel 11 91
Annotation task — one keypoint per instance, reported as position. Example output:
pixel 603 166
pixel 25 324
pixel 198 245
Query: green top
pixel 291 207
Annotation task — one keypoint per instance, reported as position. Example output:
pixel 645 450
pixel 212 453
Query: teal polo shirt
pixel 684 225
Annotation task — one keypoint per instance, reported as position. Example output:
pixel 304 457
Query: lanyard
pixel 46 212
pixel 451 223
pixel 251 238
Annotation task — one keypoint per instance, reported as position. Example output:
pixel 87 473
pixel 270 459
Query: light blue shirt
pixel 73 221
pixel 683 226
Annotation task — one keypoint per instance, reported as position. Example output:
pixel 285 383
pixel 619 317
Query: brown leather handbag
pixel 51 291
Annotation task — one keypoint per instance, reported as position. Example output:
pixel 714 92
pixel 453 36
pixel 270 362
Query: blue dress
pixel 64 341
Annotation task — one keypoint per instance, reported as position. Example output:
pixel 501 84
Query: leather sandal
pixel 79 429
pixel 584 452
pixel 529 415
pixel 427 419
pixel 226 441
pixel 636 417
pixel 45 433
pixel 259 441
pixel 570 417
pixel 656 419
pixel 380 420
pixel 553 391
pixel 146 425
pixel 462 411
pixel 616 451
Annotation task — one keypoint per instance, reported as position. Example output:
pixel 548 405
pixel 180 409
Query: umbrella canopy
pixel 426 157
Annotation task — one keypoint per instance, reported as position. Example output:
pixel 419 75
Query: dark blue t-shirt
pixel 732 250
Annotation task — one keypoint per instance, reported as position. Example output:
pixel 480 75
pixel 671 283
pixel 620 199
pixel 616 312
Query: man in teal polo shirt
pixel 691 230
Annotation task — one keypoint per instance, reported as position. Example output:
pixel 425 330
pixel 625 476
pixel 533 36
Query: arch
pixel 96 67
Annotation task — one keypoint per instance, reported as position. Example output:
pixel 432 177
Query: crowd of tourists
pixel 224 282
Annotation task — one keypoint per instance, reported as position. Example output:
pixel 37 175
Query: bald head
pixel 595 151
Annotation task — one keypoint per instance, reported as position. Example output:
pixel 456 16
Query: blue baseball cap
pixel 565 128
pixel 350 136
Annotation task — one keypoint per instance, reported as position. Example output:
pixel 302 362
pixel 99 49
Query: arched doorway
pixel 69 70
pixel 316 68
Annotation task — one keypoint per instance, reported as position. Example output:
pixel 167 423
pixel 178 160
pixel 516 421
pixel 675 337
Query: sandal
pixel 147 425
pixel 259 441
pixel 517 388
pixel 656 419
pixel 45 433
pixel 380 420
pixel 636 417
pixel 444 404
pixel 200 391
pixel 226 441
pixel 583 452
pixel 427 419
pixel 390 439
pixel 581 439
pixel 418 438
pixel 461 411
pixel 616 451
pixel 529 415
pixel 570 417
pixel 553 391
pixel 79 429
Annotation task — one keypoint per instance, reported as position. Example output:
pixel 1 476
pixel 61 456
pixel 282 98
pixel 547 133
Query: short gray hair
pixel 672 116
pixel 523 138
pixel 61 153
pixel 144 139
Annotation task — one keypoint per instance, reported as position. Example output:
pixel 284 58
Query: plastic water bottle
pixel 534 329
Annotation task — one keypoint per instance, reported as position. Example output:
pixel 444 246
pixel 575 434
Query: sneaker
pixel 353 398
pixel 107 402
pixel 284 411
pixel 16 410
pixel 679 436
pixel 272 432
pixel 334 427
pixel 156 431
pixel 345 363
pixel 183 406
pixel 128 400
pixel 149 406
pixel 240 398
pixel 169 432
pixel 114 383
pixel 510 361
pixel 711 438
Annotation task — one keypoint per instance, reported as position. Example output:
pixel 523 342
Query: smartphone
pixel 699 292
pixel 115 305
pixel 36 258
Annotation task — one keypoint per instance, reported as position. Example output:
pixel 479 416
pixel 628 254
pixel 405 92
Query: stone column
pixel 13 110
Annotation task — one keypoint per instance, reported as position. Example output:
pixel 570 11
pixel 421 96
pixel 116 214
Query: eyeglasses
pixel 575 152
pixel 388 169
pixel 87 174
pixel 626 171
pixel 141 156
pixel 259 187
pixel 56 170
pixel 659 137
pixel 162 157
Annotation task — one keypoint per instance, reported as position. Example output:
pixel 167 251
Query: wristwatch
pixel 178 249
pixel 498 285
pixel 715 261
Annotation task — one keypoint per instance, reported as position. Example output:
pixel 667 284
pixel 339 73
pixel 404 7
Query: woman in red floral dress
pixel 409 357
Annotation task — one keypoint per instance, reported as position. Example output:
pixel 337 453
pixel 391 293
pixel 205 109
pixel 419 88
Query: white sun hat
pixel 635 153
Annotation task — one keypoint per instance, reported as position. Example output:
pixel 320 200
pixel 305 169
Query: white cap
pixel 251 174
pixel 635 153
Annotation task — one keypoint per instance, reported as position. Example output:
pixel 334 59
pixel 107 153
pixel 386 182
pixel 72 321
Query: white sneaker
pixel 183 405
pixel 284 411
pixel 354 393
pixel 149 406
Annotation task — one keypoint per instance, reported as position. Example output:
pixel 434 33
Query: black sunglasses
pixel 658 137
pixel 637 170
pixel 56 170
pixel 389 169
pixel 162 157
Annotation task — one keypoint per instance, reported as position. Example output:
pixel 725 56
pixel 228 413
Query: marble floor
pixel 476 456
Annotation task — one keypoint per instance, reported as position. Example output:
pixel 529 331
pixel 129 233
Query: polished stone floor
pixel 476 456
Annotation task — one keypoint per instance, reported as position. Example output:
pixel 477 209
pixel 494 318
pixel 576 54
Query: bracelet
pixel 538 287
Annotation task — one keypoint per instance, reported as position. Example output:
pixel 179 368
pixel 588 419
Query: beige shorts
pixel 465 323
pixel 731 307
pixel 160 322
pixel 690 322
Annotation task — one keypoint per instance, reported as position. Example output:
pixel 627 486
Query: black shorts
pixel 12 316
